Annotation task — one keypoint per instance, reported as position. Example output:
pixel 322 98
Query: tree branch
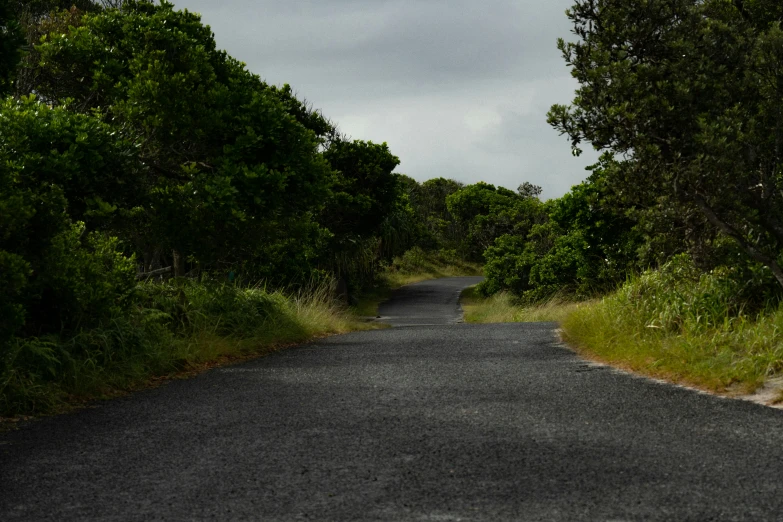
pixel 730 231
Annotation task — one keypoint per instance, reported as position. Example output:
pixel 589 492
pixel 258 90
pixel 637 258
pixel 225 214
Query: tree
pixel 488 212
pixel 11 41
pixel 234 171
pixel 366 211
pixel 59 170
pixel 528 190
pixel 688 93
pixel 586 244
pixel 365 190
pixel 428 199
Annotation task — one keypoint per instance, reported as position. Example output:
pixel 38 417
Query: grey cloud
pixel 458 88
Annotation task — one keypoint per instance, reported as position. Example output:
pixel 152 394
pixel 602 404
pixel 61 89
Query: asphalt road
pixel 442 422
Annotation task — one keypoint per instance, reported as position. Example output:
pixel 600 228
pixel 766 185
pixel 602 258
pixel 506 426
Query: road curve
pixel 442 422
pixel 428 303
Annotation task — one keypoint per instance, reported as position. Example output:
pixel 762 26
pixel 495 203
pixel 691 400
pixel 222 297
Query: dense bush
pixel 59 172
pixel 582 244
pixel 487 212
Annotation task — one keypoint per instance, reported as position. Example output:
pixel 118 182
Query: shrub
pixel 63 176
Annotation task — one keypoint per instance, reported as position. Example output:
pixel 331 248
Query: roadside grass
pixel 675 324
pixel 179 328
pixel 502 308
pixel 690 330
pixel 414 266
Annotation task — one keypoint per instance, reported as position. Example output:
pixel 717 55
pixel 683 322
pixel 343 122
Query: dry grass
pixel 501 308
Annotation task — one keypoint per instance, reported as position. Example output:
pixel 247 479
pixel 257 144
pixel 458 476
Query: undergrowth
pixel 683 326
pixel 182 326
pixel 175 327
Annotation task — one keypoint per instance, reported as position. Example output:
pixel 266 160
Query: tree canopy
pixel 688 93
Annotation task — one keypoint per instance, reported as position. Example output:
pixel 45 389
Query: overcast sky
pixel 457 88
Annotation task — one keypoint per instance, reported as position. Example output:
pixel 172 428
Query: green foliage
pixel 680 297
pixel 439 229
pixel 84 279
pixel 11 41
pixel 585 244
pixel 92 168
pixel 234 172
pixel 59 170
pixel 688 91
pixel 172 327
pixel 365 190
pixel 14 274
pixel 489 212
pixel 508 266
pixel 366 211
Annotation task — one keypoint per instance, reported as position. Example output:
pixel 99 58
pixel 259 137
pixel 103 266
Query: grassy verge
pixel 686 335
pixel 176 329
pixel 673 324
pixel 413 267
pixel 181 328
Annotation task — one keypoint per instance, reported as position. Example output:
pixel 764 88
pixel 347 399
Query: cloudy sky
pixel 458 88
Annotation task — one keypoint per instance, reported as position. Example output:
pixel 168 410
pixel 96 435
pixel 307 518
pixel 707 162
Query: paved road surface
pixel 443 422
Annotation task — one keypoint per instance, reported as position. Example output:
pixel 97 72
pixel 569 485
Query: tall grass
pixel 702 329
pixel 175 327
pixel 684 326
pixel 503 307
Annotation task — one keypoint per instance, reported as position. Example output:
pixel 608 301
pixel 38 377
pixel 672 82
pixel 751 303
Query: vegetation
pixel 171 329
pixel 161 205
pixel 503 307
pixel 681 325
pixel 667 258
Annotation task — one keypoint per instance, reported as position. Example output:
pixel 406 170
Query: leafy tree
pixel 58 170
pixel 586 244
pixel 366 211
pixel 429 203
pixel 688 93
pixel 528 190
pixel 234 170
pixel 507 267
pixel 365 190
pixel 488 212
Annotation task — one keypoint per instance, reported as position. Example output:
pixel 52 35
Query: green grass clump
pixel 180 326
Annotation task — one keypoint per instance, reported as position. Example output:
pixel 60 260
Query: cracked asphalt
pixel 439 421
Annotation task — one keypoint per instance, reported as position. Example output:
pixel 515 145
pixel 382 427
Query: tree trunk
pixel 178 262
